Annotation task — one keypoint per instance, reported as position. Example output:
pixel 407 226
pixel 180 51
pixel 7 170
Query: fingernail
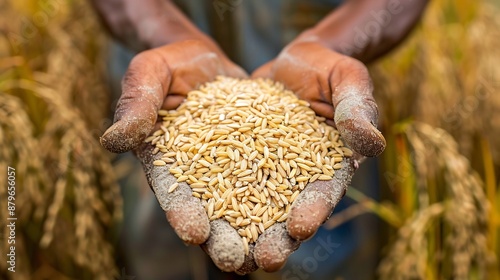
pixel 106 138
pixel 378 142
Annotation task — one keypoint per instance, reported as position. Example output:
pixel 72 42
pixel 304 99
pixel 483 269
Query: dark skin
pixel 324 66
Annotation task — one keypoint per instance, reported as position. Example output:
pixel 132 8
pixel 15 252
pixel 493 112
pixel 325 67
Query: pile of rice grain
pixel 247 148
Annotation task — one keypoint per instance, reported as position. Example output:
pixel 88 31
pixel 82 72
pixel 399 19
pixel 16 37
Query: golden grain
pixel 324 177
pixel 249 164
pixel 173 187
pixel 159 163
pixel 337 166
pixel 245 244
pixel 253 230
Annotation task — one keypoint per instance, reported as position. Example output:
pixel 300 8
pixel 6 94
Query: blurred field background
pixel 52 108
pixel 440 109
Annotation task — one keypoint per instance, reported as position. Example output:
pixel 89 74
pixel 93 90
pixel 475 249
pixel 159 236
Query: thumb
pixel 144 88
pixel 356 113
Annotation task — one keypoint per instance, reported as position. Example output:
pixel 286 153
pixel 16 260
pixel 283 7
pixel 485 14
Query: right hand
pixel 158 79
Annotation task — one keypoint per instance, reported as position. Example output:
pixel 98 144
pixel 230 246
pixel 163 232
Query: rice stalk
pixel 407 257
pixel 446 75
pixel 52 109
pixel 461 211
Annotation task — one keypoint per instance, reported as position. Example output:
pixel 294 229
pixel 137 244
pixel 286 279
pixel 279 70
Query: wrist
pixel 156 24
pixel 366 29
pixel 338 40
pixel 310 36
pixel 157 30
pixel 159 22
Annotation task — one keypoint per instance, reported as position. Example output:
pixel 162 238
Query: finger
pixel 273 248
pixel 249 264
pixel 225 246
pixel 316 202
pixel 263 71
pixel 144 88
pixel 184 212
pixel 356 113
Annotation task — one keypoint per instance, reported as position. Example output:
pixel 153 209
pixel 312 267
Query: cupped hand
pixel 338 88
pixel 159 79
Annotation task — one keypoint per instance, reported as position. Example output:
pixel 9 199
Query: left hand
pixel 338 88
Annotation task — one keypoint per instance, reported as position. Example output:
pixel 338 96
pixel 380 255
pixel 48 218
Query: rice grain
pixel 246 148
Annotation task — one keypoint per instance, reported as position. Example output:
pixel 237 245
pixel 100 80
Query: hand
pixel 339 89
pixel 159 79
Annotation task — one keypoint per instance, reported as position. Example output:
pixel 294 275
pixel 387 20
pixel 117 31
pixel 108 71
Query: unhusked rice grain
pixel 247 148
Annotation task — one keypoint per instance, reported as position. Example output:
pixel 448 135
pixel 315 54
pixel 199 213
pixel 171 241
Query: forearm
pixel 366 29
pixel 149 23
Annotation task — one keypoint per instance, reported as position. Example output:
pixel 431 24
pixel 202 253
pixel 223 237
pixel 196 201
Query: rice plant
pixel 52 106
